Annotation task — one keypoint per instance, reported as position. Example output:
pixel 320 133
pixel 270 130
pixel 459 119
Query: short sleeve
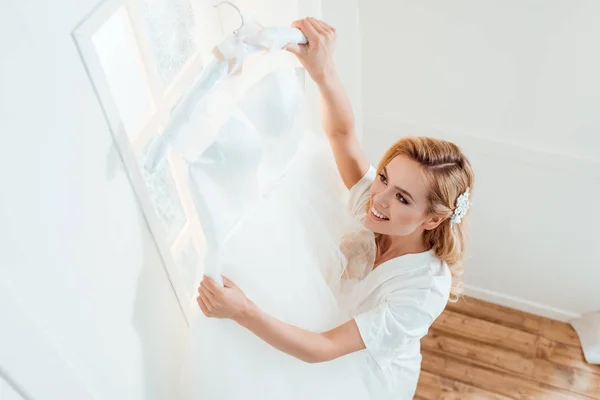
pixel 391 325
pixel 359 193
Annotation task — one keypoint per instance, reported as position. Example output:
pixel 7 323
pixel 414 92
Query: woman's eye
pixel 383 178
pixel 402 199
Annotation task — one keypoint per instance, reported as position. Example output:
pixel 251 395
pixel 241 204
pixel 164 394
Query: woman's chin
pixel 373 226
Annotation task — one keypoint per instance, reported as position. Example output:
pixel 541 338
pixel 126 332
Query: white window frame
pixel 164 98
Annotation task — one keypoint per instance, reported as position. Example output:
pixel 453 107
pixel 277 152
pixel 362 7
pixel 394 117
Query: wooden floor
pixel 478 350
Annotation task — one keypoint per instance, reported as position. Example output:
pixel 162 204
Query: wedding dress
pixel 280 224
pixel 286 258
pixel 272 205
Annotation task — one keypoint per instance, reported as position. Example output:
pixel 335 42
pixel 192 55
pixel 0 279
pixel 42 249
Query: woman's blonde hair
pixel 448 174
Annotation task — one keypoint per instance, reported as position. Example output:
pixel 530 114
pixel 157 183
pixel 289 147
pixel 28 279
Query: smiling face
pixel 411 202
pixel 399 200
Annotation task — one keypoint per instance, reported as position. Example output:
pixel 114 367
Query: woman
pixel 414 203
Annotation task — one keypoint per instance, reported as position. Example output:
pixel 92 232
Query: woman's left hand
pixel 222 302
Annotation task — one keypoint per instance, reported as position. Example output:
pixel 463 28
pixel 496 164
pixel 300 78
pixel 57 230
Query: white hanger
pixel 237 9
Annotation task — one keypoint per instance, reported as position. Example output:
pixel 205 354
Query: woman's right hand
pixel 317 55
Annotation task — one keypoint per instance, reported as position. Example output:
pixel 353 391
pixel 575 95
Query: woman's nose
pixel 380 200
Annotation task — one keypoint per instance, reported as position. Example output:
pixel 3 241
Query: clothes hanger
pixel 220 3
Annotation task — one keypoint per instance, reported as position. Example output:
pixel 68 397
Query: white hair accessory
pixel 462 206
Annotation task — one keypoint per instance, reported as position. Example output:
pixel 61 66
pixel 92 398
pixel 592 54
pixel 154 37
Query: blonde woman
pixel 414 203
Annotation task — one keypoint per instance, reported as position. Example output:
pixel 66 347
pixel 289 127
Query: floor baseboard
pixel 519 304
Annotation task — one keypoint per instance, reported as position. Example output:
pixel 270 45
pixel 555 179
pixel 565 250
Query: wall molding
pixel 528 306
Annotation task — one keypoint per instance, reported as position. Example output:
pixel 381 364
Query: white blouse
pixel 394 305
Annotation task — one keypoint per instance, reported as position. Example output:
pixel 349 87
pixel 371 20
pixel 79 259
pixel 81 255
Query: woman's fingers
pixel 307 29
pixel 317 56
pixel 228 282
pixel 326 26
pixel 317 25
pixel 329 31
pixel 207 300
pixel 203 307
pixel 209 285
pixel 297 49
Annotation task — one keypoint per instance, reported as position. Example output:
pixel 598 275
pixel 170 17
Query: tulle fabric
pixel 274 211
pixel 287 257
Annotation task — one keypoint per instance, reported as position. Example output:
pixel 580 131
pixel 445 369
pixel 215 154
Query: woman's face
pixel 398 200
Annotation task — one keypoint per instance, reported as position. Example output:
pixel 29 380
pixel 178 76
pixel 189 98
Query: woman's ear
pixel 433 222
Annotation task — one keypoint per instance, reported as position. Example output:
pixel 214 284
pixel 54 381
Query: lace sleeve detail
pixel 358 244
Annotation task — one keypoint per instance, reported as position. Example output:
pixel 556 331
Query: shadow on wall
pixel 156 318
pixel 157 326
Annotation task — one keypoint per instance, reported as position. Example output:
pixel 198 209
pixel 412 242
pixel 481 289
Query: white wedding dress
pixel 274 209
pixel 284 253
pixel 280 223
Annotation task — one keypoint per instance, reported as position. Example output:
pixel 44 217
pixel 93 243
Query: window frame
pixel 163 97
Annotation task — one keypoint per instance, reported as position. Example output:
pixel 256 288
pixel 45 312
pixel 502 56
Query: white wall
pixel 343 15
pixel 7 392
pixel 74 247
pixel 516 84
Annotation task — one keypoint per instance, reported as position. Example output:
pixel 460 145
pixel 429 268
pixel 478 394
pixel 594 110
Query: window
pixel 141 56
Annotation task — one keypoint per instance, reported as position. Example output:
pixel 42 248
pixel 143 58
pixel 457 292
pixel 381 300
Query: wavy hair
pixel 448 174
